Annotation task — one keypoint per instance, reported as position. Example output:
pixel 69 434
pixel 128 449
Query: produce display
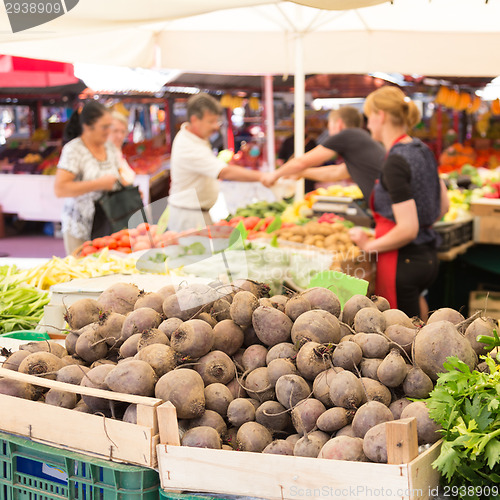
pixel 21 305
pixel 61 270
pixel 290 375
pixel 330 236
pixel 467 185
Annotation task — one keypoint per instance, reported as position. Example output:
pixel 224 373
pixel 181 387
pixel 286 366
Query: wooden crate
pixel 486 221
pixel 483 300
pixel 91 434
pixel 279 477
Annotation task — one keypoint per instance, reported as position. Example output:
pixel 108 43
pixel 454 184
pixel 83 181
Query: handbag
pixel 114 209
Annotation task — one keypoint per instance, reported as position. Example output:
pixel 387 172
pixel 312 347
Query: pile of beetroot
pixel 290 375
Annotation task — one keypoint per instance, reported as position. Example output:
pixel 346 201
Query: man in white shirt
pixel 195 171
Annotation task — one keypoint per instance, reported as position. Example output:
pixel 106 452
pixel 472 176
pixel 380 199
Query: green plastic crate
pixel 34 471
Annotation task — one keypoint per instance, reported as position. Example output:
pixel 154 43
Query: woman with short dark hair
pixel 89 165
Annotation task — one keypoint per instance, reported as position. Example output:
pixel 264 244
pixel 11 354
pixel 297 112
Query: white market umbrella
pixel 427 37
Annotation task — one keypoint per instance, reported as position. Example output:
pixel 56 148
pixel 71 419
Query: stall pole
pixel 230 131
pixel 168 130
pixel 299 107
pixel 269 122
pixel 439 130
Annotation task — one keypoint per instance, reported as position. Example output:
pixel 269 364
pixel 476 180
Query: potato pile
pixel 290 375
pixel 330 236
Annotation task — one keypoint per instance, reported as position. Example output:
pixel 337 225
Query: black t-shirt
pixel 396 178
pixel 362 155
pixel 287 150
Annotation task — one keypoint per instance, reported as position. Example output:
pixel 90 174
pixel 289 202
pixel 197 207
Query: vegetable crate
pixel 279 477
pixel 483 300
pixel 34 471
pixel 486 221
pixel 94 435
pixel 454 235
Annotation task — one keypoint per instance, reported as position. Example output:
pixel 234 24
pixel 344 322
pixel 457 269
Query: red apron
pixel 387 262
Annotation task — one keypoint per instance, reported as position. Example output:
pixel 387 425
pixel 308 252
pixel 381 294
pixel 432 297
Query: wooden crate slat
pixel 278 477
pixel 111 439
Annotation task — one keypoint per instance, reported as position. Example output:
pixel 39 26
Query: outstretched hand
pixel 268 179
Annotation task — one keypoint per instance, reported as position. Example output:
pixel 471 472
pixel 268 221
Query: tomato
pixel 87 250
pixel 266 223
pixel 87 243
pixel 124 241
pixel 251 222
pixel 99 242
pixel 123 249
pixel 141 245
pixel 143 228
pixel 133 233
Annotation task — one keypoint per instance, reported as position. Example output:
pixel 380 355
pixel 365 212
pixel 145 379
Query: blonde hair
pixel 118 116
pixel 401 110
pixel 349 115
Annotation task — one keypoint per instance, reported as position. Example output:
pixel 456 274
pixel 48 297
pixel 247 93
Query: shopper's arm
pixel 65 185
pixel 445 200
pixel 314 158
pixel 235 173
pixel 404 232
pixel 329 173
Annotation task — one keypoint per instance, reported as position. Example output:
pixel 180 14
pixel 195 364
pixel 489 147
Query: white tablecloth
pixel 32 197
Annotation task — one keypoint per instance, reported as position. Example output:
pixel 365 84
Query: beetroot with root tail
pixel 133 377
pixel 152 300
pixel 169 326
pixel 202 437
pixel 296 306
pixel 185 389
pixel 139 321
pixel 162 358
pixel 217 398
pixel 283 350
pixel 242 307
pixel 324 299
pixel 305 415
pixel 228 337
pixel 254 287
pixel 446 314
pixel 279 447
pixel 311 444
pixel 271 326
pixel 216 367
pixel 240 411
pixel 193 339
pixel 254 357
pixel 41 363
pixel 83 312
pixel 252 436
pixel 290 389
pixel 381 303
pixel 95 378
pixel 258 386
pixel 317 326
pixel 343 448
pixel 119 298
pixel 369 320
pixel 273 415
pixel 353 305
pixel 312 359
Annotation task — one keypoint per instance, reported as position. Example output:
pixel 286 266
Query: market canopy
pixel 21 72
pixel 444 37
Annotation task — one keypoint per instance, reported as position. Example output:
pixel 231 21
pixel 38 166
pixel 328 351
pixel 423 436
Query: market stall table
pixel 32 197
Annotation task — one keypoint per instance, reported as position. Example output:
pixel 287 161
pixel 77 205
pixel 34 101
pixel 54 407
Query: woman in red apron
pixel 408 198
